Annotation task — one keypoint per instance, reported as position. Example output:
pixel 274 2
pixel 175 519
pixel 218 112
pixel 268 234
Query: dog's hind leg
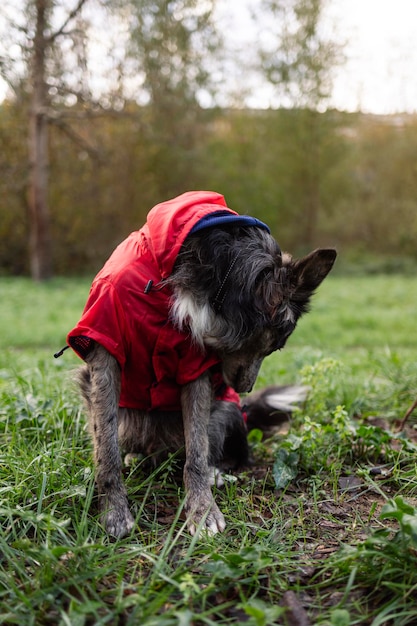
pixel 199 503
pixel 228 436
pixel 100 385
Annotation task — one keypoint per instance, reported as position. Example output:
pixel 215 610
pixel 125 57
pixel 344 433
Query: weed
pixel 385 564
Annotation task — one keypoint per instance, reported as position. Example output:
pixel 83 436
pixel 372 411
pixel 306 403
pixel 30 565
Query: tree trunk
pixel 40 242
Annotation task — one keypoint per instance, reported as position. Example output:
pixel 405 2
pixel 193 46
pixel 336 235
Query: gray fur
pixel 100 384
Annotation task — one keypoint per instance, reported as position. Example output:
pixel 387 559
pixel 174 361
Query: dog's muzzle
pixel 243 379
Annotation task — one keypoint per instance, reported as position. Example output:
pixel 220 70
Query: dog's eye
pixel 277 344
pixel 280 343
pixel 283 333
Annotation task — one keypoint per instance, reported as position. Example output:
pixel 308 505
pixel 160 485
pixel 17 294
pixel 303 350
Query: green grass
pixel 325 521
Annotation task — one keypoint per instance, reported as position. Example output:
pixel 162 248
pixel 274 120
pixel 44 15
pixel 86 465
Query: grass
pixel 321 530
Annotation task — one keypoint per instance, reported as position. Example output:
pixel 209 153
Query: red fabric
pixel 155 358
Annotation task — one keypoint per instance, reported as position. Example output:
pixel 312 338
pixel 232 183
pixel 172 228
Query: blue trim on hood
pixel 225 218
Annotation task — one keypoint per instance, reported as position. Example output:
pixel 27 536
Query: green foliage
pixel 285 467
pixel 307 449
pixel 13 232
pixel 261 614
pixel 96 198
pixel 406 516
pixel 323 379
pixel 386 563
pixel 323 425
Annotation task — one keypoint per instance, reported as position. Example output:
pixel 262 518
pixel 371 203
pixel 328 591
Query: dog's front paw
pixel 118 522
pixel 204 514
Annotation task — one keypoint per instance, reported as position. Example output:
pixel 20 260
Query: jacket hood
pixel 169 223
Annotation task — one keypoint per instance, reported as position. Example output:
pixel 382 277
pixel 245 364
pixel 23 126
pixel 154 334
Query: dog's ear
pixel 294 282
pixel 308 272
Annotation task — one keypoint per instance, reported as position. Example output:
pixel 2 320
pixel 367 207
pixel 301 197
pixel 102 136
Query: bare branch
pixel 407 415
pixel 71 15
pixel 12 22
pixel 76 138
pixel 98 111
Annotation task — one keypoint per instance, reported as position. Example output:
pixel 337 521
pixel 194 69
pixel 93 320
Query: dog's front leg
pixel 103 404
pixel 199 503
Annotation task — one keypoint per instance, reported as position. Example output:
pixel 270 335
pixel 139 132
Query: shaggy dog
pixel 176 325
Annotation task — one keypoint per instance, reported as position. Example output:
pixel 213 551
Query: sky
pixel 381 69
pixel 380 72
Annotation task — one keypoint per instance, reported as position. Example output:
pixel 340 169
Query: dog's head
pixel 282 297
pixel 241 297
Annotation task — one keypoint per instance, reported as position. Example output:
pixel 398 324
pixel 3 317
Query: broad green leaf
pixel 285 468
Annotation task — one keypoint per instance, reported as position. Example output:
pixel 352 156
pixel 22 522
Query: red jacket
pixel 131 319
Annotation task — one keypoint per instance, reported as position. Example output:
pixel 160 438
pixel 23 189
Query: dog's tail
pixel 272 406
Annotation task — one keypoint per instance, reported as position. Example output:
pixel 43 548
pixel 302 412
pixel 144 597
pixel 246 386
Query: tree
pixel 169 43
pixel 172 43
pixel 42 42
pixel 299 58
pixel 38 39
pixel 299 61
pixel 43 87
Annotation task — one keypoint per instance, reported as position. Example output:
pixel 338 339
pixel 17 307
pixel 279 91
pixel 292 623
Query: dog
pixel 176 326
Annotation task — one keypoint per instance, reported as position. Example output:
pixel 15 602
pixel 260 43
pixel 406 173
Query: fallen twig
pixel 407 415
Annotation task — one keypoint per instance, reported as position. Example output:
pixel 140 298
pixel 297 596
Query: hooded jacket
pixel 127 310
